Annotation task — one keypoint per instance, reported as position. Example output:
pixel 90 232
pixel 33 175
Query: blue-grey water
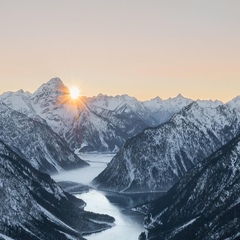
pixel 128 223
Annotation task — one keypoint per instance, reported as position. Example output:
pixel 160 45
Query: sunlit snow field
pixel 128 223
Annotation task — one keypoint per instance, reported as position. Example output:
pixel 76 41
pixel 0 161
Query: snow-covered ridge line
pixel 101 123
pixel 159 157
pixel 36 142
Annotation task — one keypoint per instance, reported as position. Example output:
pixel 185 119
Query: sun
pixel 74 93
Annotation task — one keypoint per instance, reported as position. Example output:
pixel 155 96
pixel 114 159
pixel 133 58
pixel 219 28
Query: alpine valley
pixel 187 150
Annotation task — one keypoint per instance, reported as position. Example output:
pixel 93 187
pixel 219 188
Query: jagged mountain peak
pixel 209 103
pixel 179 96
pixel 55 82
pixel 19 93
pixel 175 104
pixel 52 88
pixel 237 98
pixel 126 97
pixel 101 95
pixel 234 103
pixel 111 102
pixel 51 102
pixel 157 99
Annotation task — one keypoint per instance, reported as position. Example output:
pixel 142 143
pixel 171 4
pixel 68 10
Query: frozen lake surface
pixel 128 223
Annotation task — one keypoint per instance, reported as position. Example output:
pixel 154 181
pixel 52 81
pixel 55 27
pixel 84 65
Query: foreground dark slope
pixel 33 207
pixel 42 147
pixel 205 204
pixel 158 157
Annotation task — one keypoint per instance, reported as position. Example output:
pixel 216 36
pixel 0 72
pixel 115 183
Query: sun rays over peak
pixel 74 92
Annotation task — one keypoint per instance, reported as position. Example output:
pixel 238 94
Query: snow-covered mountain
pixel 158 157
pixel 234 103
pixel 163 110
pixel 101 123
pixel 36 142
pixel 21 102
pixel 205 204
pixel 34 207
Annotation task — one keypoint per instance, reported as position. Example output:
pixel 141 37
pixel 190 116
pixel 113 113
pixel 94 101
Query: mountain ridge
pixel 202 205
pixel 158 157
pixel 37 142
pixel 34 207
pixel 77 122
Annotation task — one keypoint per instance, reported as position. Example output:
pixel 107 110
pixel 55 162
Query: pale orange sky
pixel 138 47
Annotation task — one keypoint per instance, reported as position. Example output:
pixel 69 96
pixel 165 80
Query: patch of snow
pixel 5 237
pixel 54 219
pixel 184 226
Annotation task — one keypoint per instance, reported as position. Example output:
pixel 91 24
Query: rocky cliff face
pixel 34 207
pixel 36 142
pixel 158 157
pixel 205 204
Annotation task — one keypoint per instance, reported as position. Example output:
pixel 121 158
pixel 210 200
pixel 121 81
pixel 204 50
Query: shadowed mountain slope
pixel 158 157
pixel 36 142
pixel 205 204
pixel 33 206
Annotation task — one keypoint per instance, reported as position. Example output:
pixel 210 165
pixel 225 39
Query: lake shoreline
pixel 129 223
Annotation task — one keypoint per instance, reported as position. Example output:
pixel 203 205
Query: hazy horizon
pixel 140 48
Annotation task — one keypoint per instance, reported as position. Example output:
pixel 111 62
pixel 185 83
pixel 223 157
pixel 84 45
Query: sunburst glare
pixel 74 93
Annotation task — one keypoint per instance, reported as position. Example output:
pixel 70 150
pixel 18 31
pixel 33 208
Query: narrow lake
pixel 128 223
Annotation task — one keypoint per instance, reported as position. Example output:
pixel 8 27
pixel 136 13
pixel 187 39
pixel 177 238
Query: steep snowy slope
pixel 33 207
pixel 89 124
pixel 85 124
pixel 205 204
pixel 42 147
pixel 52 102
pixel 101 123
pixel 158 157
pixel 128 118
pixel 21 102
pixel 234 103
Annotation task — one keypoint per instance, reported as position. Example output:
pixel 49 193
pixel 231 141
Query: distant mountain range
pixel 102 123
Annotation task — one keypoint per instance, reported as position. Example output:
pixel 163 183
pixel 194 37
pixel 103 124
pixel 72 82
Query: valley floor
pixel 128 223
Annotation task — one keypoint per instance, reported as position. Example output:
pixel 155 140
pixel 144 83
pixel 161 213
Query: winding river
pixel 128 223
